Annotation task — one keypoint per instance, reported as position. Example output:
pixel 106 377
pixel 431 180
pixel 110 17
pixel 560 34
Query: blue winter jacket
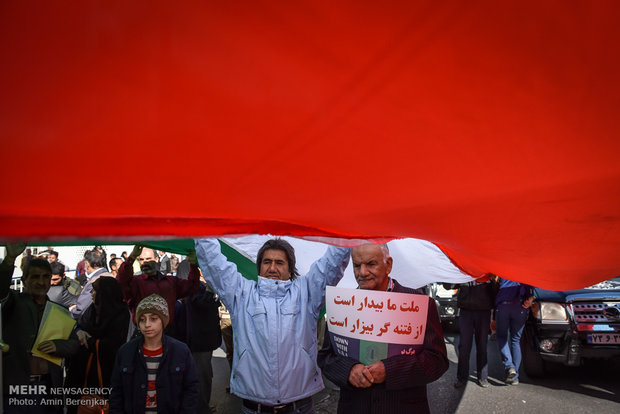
pixel 274 324
pixel 512 292
pixel 177 382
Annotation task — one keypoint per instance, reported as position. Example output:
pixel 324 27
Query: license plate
pixel 604 338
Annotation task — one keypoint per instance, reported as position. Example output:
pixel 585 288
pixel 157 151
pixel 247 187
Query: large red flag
pixel 490 128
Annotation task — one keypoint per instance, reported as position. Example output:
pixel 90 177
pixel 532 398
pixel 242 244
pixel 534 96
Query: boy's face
pixel 150 325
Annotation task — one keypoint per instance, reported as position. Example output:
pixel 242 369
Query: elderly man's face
pixel 274 265
pixel 148 261
pixel 370 267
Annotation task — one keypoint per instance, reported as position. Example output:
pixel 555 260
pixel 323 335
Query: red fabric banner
pixel 490 128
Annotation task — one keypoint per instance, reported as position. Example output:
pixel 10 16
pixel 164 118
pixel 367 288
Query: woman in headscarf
pixel 105 322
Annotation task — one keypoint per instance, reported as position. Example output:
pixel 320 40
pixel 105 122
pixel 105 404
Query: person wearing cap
pixel 154 373
pixel 275 323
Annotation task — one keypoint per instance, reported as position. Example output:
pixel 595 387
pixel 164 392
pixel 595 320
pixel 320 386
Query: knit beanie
pixel 154 304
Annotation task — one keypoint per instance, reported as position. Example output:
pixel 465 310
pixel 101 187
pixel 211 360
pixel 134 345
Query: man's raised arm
pixel 219 273
pixel 125 274
pixel 328 270
pixel 187 287
pixel 8 266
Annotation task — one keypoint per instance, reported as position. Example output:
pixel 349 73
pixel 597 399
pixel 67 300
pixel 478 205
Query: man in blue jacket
pixel 275 323
pixel 512 309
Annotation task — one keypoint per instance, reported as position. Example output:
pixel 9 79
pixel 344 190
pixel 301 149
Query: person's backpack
pixel 73 286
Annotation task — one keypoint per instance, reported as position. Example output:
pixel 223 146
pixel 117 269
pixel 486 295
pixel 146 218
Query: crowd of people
pixel 171 323
pixel 146 340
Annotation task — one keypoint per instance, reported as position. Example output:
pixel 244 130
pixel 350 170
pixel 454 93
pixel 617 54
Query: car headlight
pixel 551 312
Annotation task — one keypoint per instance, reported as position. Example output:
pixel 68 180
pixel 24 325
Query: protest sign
pixel 368 325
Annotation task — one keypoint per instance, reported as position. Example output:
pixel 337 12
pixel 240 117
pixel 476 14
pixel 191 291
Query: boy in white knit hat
pixel 154 373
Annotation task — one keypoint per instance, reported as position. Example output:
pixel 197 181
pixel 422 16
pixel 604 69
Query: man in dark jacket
pixel 197 323
pixel 171 288
pixel 475 300
pixel 395 384
pixel 21 317
pixel 58 290
pixel 154 373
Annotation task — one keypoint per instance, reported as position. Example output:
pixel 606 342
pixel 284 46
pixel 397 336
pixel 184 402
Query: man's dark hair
pixel 95 259
pixel 114 259
pixel 283 245
pixel 53 253
pixel 57 268
pixel 37 262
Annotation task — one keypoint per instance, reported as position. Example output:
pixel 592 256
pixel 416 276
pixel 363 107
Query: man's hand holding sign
pixel 388 324
pixel 385 341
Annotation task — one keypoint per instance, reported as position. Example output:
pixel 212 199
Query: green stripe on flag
pixel 245 265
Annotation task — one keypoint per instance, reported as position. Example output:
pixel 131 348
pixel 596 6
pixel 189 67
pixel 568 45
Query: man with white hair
pixel 394 384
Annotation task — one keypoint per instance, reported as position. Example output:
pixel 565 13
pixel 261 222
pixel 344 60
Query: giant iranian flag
pixel 487 128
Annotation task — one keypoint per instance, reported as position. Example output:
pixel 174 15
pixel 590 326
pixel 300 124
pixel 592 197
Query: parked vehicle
pixel 568 327
pixel 446 304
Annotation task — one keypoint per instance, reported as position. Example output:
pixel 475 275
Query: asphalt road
pixel 593 388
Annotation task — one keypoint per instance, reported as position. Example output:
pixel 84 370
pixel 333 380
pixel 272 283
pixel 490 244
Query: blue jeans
pixel 510 320
pixel 307 408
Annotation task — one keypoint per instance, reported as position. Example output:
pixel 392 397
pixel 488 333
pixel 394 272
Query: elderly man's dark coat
pixel 406 376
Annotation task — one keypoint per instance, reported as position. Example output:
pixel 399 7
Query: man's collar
pixel 89 275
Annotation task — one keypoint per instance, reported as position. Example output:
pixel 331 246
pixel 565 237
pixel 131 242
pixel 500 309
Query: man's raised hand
pixel 137 251
pixel 14 249
pixel 191 257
